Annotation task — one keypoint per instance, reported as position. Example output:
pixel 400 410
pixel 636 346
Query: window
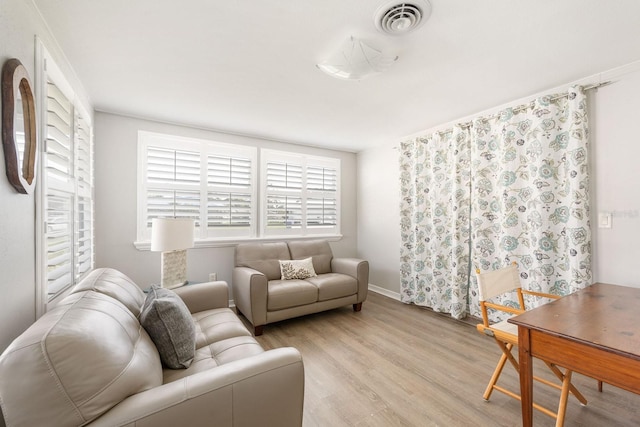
pixel 301 194
pixel 65 185
pixel 216 184
pixel 212 183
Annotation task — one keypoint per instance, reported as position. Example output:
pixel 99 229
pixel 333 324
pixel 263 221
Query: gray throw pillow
pixel 168 322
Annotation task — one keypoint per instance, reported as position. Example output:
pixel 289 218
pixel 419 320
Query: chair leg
pixel 562 377
pixel 257 330
pixel 600 386
pixel 564 396
pixel 495 376
pixel 506 355
pixel 357 307
pixel 566 388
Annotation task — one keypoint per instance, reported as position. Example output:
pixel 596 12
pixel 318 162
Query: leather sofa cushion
pixel 334 285
pixel 216 354
pixel 263 257
pixel 217 325
pixel 114 284
pixel 319 250
pixel 76 362
pixel 221 337
pixel 290 293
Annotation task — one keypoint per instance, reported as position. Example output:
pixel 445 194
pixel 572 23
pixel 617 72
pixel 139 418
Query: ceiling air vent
pixel 401 18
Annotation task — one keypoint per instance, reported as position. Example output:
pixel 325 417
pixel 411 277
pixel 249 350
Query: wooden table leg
pixel 526 375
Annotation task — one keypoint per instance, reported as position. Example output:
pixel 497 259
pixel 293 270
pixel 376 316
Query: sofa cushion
pixel 216 354
pixel 297 269
pixel 290 293
pixel 115 284
pixel 334 285
pixel 217 325
pixel 168 321
pixel 221 337
pixel 319 250
pixel 263 257
pixel 76 362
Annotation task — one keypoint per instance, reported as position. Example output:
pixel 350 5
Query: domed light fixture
pixel 355 60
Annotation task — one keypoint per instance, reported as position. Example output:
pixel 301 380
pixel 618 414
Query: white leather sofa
pixel 263 296
pixel 88 361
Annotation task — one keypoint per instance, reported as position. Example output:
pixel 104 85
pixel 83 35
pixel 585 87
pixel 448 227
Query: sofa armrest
pixel 204 296
pixel 250 294
pixel 266 389
pixel 354 267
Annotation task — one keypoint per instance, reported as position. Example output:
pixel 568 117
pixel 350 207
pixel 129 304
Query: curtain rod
pixel 530 104
pixel 469 124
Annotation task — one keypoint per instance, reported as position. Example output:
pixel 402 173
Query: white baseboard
pixel 385 292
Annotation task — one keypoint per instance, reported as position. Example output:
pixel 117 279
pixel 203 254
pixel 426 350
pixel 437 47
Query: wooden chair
pixel 499 282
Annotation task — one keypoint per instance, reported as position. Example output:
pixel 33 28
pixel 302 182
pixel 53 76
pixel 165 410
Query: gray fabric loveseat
pixel 89 361
pixel 263 295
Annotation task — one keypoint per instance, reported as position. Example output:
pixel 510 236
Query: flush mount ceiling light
pixel 355 60
pixel 400 18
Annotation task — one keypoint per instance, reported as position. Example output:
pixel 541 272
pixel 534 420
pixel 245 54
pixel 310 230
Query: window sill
pixel 223 243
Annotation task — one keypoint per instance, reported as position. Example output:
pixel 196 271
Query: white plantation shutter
pixel 284 196
pixel 59 192
pixel 59 160
pixel 173 184
pixel 210 182
pixel 284 212
pixel 84 197
pixel 59 243
pixel 66 188
pixel 284 176
pixel 215 184
pixel 301 194
pixel 230 202
pixel 322 186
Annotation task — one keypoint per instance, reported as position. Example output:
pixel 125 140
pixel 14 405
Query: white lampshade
pixel 171 234
pixel 355 60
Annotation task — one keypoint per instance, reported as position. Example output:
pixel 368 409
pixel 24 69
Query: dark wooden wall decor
pixel 19 138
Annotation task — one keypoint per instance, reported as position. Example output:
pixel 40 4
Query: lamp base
pixel 174 269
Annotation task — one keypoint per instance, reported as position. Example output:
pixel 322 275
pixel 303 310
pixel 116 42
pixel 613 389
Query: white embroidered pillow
pixel 297 269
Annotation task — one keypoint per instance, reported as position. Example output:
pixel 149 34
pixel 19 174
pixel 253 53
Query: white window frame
pixel 79 187
pixel 204 236
pixel 305 162
pixel 259 158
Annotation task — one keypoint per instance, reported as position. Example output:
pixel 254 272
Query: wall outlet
pixel 213 277
pixel 604 220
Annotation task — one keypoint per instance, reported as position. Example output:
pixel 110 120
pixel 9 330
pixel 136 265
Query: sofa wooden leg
pixel 357 307
pixel 257 331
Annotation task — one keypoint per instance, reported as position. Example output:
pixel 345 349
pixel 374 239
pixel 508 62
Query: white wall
pixel 20 22
pixel 615 166
pixel 615 150
pixel 17 211
pixel 379 215
pixel 116 140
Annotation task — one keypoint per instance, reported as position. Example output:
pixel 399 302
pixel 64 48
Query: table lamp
pixel 172 237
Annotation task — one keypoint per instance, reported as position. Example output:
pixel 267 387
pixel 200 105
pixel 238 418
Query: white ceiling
pixel 248 67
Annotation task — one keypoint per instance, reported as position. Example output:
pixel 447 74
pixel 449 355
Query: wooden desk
pixel 595 331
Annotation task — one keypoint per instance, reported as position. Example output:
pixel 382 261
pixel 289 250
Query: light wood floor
pixel 400 365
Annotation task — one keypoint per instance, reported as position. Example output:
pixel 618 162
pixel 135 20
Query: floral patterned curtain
pixel 530 191
pixel 435 204
pixel 513 187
